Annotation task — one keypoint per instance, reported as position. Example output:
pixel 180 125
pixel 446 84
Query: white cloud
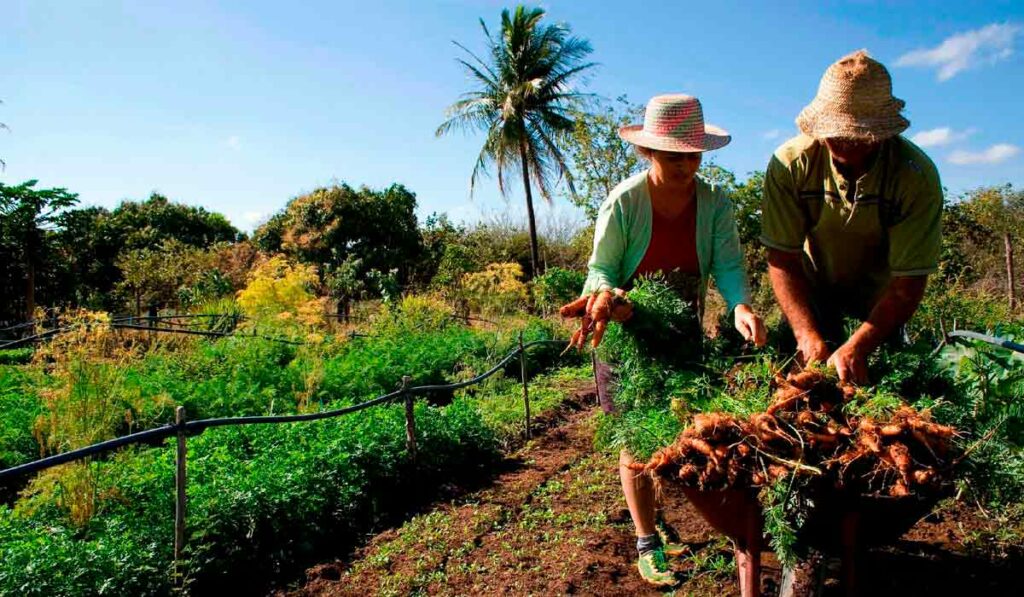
pixel 993 155
pixel 252 217
pixel 772 135
pixel 234 142
pixel 940 136
pixel 962 51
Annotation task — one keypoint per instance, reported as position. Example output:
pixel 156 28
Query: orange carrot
pixel 599 328
pixel 601 308
pixel 576 308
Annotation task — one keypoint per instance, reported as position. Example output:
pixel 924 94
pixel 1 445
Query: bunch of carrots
pixel 594 311
pixel 805 432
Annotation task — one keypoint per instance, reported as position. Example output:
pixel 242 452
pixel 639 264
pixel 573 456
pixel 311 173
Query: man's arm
pixel 899 301
pixel 793 293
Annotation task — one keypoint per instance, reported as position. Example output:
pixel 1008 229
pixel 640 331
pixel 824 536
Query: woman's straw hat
pixel 854 101
pixel 675 123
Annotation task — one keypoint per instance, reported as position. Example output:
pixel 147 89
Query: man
pixel 851 218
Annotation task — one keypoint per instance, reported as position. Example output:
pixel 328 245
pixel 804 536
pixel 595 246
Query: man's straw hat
pixel 675 123
pixel 854 101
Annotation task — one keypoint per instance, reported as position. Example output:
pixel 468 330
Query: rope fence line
pixel 168 324
pixel 183 428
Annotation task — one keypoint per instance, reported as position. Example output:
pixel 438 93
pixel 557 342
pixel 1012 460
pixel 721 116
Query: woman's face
pixel 675 166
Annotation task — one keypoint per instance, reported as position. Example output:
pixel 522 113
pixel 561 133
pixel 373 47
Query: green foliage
pixel 16 356
pixel 556 287
pixel 785 511
pixel 173 274
pixel 339 224
pixel 26 214
pixel 263 502
pixel 20 406
pixel 599 158
pixel 653 354
pixel 959 306
pixel 266 501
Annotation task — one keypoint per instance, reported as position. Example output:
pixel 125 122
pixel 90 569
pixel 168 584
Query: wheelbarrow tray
pixel 878 519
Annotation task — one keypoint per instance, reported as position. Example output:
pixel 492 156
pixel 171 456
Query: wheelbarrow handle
pixel 993 340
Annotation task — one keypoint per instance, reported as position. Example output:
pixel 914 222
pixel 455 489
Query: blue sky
pixel 240 106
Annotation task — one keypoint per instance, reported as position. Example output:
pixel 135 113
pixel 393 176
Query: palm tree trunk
pixel 534 253
pixel 1010 282
pixel 30 291
pixel 30 276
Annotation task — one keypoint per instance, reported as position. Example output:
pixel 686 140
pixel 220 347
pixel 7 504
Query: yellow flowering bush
pixel 279 289
pixel 498 289
pixel 86 403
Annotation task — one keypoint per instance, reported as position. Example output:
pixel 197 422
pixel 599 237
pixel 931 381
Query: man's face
pixel 851 151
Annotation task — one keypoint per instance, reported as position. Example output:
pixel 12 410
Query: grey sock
pixel 648 543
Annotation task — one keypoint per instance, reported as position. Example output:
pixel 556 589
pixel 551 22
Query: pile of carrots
pixel 805 432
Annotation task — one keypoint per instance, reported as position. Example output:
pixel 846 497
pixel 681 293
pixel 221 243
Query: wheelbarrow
pixel 840 523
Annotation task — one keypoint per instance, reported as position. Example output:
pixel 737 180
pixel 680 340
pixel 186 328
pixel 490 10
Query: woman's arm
pixel 727 258
pixel 605 265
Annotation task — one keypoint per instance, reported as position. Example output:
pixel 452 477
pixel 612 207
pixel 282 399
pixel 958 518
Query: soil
pixel 553 522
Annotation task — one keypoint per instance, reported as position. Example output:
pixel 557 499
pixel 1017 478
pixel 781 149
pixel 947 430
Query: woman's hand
pixel 595 311
pixel 749 325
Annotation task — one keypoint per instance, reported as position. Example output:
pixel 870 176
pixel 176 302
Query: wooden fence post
pixel 179 504
pixel 526 390
pixel 410 419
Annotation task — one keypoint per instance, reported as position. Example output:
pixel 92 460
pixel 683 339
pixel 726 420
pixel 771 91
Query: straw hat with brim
pixel 675 123
pixel 854 101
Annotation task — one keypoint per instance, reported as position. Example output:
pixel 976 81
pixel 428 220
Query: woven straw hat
pixel 675 123
pixel 854 101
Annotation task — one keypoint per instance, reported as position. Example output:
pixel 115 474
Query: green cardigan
pixel 623 233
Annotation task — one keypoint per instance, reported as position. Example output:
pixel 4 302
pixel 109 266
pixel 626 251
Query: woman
pixel 669 220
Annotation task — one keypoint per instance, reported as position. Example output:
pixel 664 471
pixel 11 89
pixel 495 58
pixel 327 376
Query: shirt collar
pixel 868 184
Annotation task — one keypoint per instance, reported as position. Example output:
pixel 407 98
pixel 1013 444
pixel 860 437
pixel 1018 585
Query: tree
pixel 28 215
pixel 147 224
pixel 1001 211
pixel 156 277
pixel 522 103
pixel 598 157
pixel 326 227
pixel 344 283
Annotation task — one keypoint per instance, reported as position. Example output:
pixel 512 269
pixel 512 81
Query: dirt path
pixel 554 523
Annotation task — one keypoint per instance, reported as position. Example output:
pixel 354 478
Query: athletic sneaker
pixel 670 539
pixel 653 566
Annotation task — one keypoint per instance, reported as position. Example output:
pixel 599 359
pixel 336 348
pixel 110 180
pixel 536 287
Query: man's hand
pixel 850 362
pixel 750 325
pixel 812 348
pixel 793 293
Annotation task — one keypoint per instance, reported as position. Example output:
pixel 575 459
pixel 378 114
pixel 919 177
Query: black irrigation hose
pixel 150 435
pixel 486 374
pixel 207 333
pixel 33 338
pixel 198 426
pixel 18 326
pixel 993 340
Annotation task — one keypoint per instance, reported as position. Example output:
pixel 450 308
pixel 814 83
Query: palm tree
pixel 2 127
pixel 522 103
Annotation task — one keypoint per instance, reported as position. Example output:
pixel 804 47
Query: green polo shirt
pixel 855 235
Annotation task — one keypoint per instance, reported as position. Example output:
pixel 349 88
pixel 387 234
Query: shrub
pixel 278 289
pixel 556 287
pixel 498 289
